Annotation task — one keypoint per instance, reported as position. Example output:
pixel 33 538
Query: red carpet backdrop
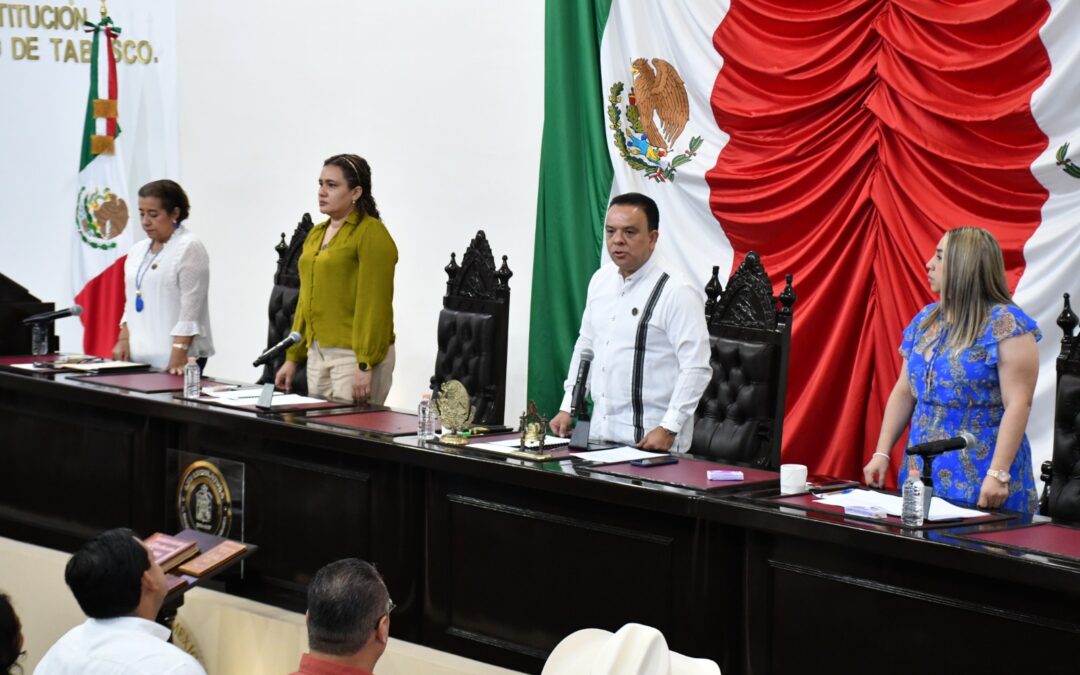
pixel 837 139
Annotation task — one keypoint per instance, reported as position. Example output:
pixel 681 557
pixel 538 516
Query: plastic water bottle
pixel 192 379
pixel 425 419
pixel 912 513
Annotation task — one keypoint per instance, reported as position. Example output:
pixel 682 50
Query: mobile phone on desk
pixel 655 461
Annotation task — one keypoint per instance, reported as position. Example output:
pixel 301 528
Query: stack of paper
pixel 893 504
pixel 617 455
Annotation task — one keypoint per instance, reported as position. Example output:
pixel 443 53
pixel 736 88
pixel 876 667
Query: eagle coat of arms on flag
pixel 656 113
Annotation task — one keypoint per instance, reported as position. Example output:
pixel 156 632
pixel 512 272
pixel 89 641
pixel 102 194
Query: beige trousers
pixel 330 372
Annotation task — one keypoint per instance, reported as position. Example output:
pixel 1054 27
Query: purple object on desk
pixel 690 473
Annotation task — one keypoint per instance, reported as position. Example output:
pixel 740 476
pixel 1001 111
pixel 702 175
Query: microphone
pixel 935 448
pixel 578 407
pixel 46 317
pixel 271 353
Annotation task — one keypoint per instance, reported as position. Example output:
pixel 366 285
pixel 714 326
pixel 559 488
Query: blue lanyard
pixel 144 267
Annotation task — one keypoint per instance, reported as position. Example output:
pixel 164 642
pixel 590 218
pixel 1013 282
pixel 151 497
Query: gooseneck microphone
pixel 578 408
pixel 271 353
pixel 935 448
pixel 47 317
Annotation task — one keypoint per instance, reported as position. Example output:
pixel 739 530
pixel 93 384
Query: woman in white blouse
pixel 166 278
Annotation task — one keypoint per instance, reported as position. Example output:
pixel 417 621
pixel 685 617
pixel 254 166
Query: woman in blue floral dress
pixel 970 364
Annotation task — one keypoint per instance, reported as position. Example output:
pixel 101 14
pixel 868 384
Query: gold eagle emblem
pixel 660 94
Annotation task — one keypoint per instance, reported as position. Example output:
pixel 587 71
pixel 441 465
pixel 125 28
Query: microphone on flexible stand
pixel 272 353
pixel 579 409
pixel 931 449
pixel 934 448
pixel 48 317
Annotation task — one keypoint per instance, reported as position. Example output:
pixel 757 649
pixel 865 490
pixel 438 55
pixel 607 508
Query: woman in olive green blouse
pixel 345 311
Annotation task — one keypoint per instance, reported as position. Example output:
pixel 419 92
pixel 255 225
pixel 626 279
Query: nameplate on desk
pixel 266 396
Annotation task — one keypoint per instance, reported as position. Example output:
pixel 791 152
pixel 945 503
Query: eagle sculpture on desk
pixel 660 93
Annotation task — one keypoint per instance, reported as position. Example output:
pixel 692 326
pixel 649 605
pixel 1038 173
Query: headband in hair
pixel 352 165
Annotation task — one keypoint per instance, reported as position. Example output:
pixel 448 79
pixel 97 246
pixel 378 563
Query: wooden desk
pixel 498 559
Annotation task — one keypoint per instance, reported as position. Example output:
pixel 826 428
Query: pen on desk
pixel 829 489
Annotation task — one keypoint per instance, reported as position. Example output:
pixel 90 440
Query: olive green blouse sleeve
pixel 373 320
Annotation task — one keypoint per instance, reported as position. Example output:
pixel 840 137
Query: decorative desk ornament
pixel 533 428
pixel 455 411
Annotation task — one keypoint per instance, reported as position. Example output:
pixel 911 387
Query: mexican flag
pixel 102 215
pixel 839 140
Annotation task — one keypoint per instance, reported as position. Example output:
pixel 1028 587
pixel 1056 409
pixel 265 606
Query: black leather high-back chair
pixel 1061 490
pixel 740 418
pixel 283 302
pixel 473 329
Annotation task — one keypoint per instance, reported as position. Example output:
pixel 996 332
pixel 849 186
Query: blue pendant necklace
pixel 146 265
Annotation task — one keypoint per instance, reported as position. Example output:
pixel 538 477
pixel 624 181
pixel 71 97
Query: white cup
pixel 792 479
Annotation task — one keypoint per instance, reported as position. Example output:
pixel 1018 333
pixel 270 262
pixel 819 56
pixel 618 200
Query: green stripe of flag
pixel 90 125
pixel 575 183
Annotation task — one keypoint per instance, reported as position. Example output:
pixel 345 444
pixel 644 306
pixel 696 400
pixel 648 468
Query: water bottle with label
pixel 912 511
pixel 425 419
pixel 192 379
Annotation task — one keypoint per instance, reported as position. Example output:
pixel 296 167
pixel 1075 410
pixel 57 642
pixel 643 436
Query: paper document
pixel 616 455
pixel 495 447
pixel 294 399
pixel 549 442
pixel 92 366
pixel 232 393
pixel 894 504
pixel 31 366
pixel 251 399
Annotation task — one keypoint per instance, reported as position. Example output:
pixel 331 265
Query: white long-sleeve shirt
pixel 126 645
pixel 174 292
pixel 669 354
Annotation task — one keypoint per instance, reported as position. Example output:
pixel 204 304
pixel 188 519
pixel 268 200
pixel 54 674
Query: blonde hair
pixel 973 281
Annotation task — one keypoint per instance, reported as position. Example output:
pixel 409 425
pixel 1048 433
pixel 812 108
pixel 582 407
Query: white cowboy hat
pixel 633 650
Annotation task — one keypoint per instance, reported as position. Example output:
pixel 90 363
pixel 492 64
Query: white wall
pixel 42 108
pixel 444 99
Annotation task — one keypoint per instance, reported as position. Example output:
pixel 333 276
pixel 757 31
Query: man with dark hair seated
pixel 348 620
pixel 121 589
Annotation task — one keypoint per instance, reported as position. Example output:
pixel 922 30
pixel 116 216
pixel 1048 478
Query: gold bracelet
pixel 882 454
pixel 177 345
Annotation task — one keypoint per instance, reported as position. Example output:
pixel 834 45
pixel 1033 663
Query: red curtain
pixel 860 131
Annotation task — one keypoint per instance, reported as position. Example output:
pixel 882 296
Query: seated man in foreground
pixel 649 337
pixel 348 620
pixel 121 589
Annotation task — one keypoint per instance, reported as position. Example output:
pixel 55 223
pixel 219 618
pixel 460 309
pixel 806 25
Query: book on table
pixel 213 559
pixel 169 551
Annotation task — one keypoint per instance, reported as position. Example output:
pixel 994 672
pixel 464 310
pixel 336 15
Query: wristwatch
pixel 362 366
pixel 1000 474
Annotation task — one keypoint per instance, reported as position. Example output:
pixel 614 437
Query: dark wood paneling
pixel 511 572
pixel 500 561
pixel 307 506
pixel 68 472
pixel 814 608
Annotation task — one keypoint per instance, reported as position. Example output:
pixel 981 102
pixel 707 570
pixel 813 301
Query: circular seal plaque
pixel 202 499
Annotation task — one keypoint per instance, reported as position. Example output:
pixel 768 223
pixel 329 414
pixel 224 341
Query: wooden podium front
pixel 498 559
